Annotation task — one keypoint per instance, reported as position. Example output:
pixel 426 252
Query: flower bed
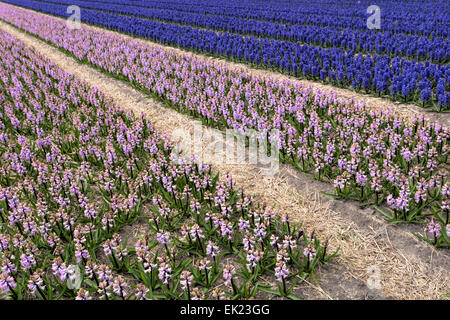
pixel 413 46
pixel 400 79
pixel 372 157
pixel 78 171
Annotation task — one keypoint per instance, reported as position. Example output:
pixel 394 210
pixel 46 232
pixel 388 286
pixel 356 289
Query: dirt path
pixel 409 268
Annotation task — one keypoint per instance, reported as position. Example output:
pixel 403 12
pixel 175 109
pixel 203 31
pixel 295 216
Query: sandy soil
pixel 409 268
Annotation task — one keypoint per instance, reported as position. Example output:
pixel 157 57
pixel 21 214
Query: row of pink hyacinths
pixel 370 156
pixel 76 171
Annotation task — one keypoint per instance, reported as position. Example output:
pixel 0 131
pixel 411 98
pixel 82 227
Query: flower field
pixel 408 43
pixel 407 63
pixel 78 171
pixel 81 169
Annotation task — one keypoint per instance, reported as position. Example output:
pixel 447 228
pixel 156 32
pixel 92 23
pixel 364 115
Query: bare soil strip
pixel 408 267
